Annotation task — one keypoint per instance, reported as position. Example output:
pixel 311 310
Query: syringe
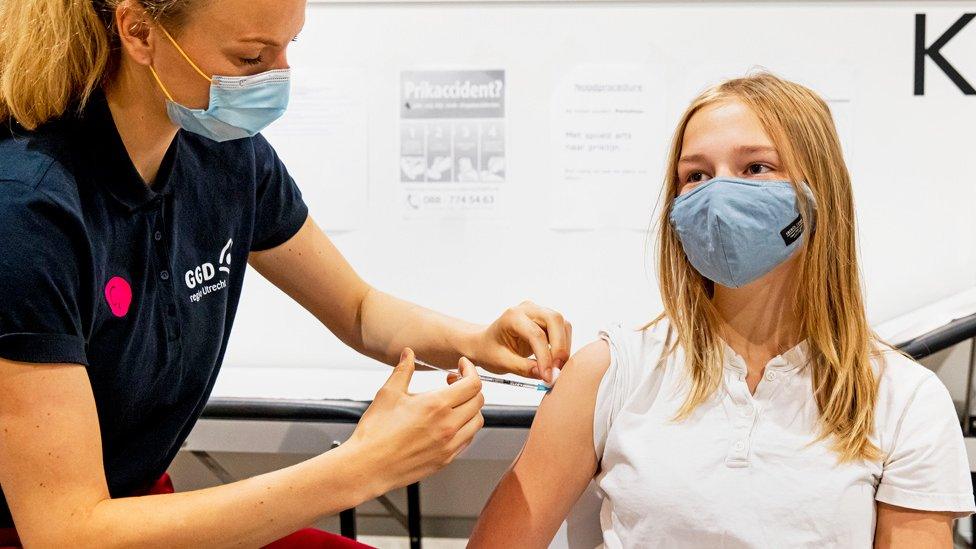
pixel 536 386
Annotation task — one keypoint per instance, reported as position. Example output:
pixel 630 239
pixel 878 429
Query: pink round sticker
pixel 118 294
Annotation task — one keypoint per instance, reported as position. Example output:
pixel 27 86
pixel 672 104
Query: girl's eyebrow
pixel 755 149
pixel 741 149
pixel 691 158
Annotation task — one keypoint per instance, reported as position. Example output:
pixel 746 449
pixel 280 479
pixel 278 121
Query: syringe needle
pixel 482 377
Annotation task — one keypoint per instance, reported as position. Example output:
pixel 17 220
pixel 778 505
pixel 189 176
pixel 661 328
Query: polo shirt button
pixel 739 446
pixel 164 275
pixel 158 236
pixel 770 376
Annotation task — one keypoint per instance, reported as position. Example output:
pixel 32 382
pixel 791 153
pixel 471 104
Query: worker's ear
pixel 137 34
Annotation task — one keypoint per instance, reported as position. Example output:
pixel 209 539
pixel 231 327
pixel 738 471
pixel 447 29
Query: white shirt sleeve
pixel 609 396
pixel 633 356
pixel 927 467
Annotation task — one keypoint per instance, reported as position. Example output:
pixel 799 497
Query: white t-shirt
pixel 743 470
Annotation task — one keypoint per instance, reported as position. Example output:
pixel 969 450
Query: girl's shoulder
pixel 890 364
pixel 906 386
pixel 632 348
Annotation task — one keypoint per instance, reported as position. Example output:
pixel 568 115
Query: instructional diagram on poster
pixel 452 141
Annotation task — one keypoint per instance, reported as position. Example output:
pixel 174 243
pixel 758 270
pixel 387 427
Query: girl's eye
pixel 695 177
pixel 251 60
pixel 756 168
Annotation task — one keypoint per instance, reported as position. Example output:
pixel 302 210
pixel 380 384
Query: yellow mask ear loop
pixel 185 56
pixel 183 53
pixel 160 82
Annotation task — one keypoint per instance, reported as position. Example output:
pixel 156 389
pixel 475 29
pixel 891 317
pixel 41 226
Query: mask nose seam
pixel 728 265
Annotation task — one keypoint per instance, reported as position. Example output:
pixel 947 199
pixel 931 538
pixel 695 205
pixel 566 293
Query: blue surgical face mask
pixel 240 106
pixel 736 230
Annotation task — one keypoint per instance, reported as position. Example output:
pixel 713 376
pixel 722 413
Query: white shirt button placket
pixel 743 424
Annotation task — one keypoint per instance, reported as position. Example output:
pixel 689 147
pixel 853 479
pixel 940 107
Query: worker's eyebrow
pixel 267 41
pixel 263 40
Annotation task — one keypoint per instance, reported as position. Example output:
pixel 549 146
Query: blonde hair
pixel 55 53
pixel 828 297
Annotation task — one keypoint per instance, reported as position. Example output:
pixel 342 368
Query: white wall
pixel 911 157
pixel 912 160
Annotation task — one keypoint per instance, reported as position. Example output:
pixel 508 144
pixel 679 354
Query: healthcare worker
pixel 134 188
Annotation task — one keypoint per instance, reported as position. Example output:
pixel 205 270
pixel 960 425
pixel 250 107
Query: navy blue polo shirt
pixel 140 285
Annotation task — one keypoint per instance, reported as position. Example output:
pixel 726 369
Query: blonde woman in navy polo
pixel 134 189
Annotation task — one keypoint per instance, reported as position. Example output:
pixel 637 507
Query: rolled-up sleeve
pixel 280 210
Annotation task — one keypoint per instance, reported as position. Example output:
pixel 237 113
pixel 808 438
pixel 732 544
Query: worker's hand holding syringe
pixel 405 437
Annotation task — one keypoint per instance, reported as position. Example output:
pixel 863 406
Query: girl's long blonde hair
pixel 828 297
pixel 54 53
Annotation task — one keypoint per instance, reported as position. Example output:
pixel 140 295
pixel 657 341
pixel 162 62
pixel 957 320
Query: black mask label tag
pixel 792 231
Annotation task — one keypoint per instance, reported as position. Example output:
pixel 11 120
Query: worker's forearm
pixel 389 324
pixel 247 513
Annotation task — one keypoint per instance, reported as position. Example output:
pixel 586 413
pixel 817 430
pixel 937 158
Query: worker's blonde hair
pixel 828 297
pixel 54 53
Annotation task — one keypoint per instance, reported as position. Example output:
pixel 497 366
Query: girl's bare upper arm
pixel 50 449
pixel 556 464
pixel 899 527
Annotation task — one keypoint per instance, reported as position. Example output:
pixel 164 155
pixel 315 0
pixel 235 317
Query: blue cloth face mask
pixel 736 230
pixel 240 106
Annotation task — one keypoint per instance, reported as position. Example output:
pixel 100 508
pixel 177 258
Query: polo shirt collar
pixel 795 357
pixel 113 167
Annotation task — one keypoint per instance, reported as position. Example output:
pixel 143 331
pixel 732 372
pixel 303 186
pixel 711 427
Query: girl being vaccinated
pixel 759 409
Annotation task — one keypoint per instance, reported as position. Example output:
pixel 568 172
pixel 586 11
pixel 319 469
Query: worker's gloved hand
pixel 405 437
pixel 522 331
